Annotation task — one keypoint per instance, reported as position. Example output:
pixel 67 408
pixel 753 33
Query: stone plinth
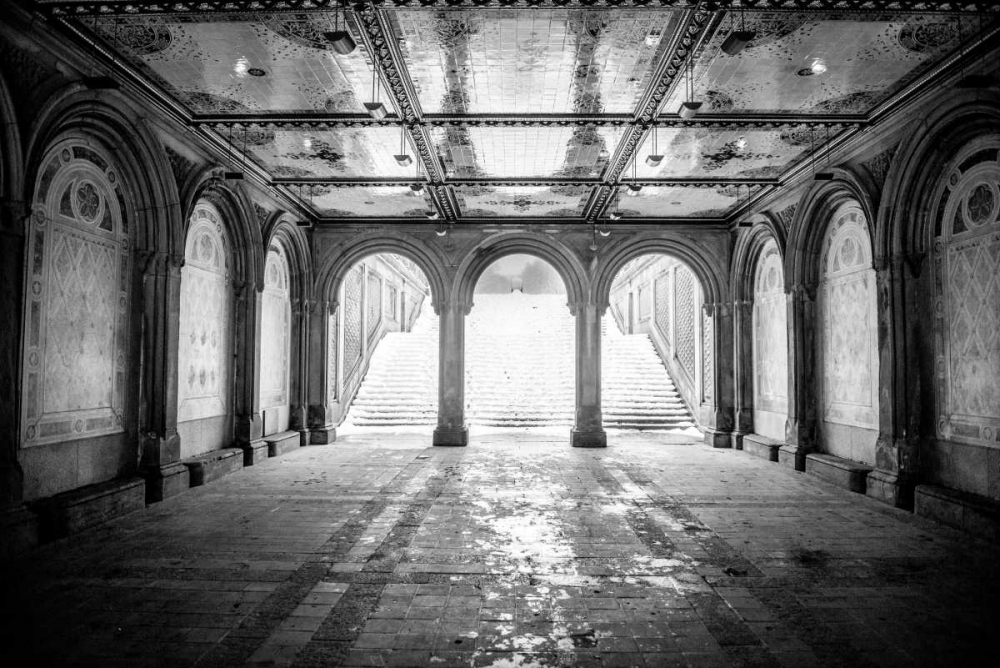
pixel 280 443
pixel 213 465
pixel 838 471
pixel 71 512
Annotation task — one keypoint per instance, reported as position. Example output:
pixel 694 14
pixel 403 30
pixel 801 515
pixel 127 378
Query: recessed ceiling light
pixel 741 143
pixel 256 72
pixel 307 144
pixel 241 67
pixel 653 38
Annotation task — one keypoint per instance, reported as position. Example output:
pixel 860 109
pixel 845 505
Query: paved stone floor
pixel 517 551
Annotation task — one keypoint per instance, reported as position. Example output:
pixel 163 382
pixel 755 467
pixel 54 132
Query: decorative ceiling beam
pixel 515 182
pixel 328 121
pixel 134 7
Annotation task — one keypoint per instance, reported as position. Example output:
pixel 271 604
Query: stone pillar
pixel 717 406
pixel 451 428
pixel 896 451
pixel 588 430
pixel 160 445
pixel 743 370
pixel 298 385
pixel 249 424
pixel 800 428
pixel 320 418
pixel 18 526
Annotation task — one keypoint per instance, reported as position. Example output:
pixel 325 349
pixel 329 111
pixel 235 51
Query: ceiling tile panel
pixel 471 152
pixel 678 202
pixel 340 153
pixel 375 202
pixel 522 201
pixel 531 61
pixel 706 152
pixel 814 63
pixel 240 64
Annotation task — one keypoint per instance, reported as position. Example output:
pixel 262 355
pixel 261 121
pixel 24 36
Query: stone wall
pixel 770 345
pixel 275 326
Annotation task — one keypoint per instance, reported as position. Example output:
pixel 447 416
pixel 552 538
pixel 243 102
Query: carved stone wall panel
pixel 374 300
pixel 332 360
pixel 770 345
pixel 77 302
pixel 275 331
pixel 661 293
pixel 353 286
pixel 966 272
pixel 848 343
pixel 707 358
pixel 686 319
pixel 206 307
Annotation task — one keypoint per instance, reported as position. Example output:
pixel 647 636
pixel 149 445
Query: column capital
pixel 578 307
pixel 158 263
pixel 713 309
pixel 803 292
pixel 452 304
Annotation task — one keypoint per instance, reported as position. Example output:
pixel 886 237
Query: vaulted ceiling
pixel 511 112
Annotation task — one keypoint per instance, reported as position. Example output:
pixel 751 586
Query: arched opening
pixel 519 353
pixel 847 338
pixel 657 355
pixel 275 342
pixel 769 337
pixel 382 356
pixel 206 334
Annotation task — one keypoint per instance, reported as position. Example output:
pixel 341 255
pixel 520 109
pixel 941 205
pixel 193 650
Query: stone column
pixel 717 414
pixel 320 418
pixel 160 445
pixel 743 370
pixel 800 428
pixel 249 426
pixel 451 428
pixel 299 371
pixel 896 450
pixel 588 430
pixel 18 526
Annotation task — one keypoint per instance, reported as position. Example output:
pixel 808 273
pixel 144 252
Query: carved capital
pixel 158 263
pixel 803 292
pixel 713 309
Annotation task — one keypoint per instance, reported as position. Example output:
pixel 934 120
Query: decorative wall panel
pixel 770 344
pixel 686 319
pixel 662 295
pixel 848 336
pixel 967 302
pixel 353 288
pixel 340 153
pixel 373 298
pixel 642 297
pixel 707 357
pixel 359 201
pixel 678 202
pixel 488 202
pixel 392 301
pixel 206 306
pixel 332 359
pixel 276 312
pixel 77 302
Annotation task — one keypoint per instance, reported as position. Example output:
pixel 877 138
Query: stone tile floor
pixel 515 552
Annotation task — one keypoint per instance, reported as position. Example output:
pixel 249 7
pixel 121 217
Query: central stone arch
pixel 544 247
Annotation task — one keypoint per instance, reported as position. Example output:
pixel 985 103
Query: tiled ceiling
pixel 520 113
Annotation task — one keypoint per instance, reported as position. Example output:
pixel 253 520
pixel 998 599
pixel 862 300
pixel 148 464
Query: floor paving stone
pixel 516 552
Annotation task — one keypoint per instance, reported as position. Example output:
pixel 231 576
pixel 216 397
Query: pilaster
pixel 320 418
pixel 800 428
pixel 717 414
pixel 743 370
pixel 249 427
pixel 299 395
pixel 588 430
pixel 451 428
pixel 159 443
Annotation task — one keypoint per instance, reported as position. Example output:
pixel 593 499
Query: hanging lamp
pixel 340 40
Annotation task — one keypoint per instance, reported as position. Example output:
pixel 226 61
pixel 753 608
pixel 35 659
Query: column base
pixel 166 481
pixel 18 531
pixel 793 456
pixel 451 437
pixel 322 436
pixel 254 452
pixel 890 488
pixel 588 439
pixel 719 439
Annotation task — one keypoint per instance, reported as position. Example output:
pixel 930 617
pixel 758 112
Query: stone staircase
pixel 520 372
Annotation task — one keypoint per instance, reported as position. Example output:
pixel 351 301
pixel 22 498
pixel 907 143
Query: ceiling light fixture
pixel 441 230
pixel 402 158
pixel 634 188
pixel 689 108
pixel 737 40
pixel 340 40
pixel 417 187
pixel 233 174
pixel 375 108
pixel 654 159
pixel 433 215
